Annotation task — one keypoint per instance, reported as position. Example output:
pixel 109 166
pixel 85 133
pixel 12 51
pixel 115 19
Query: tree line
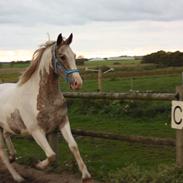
pixel 164 58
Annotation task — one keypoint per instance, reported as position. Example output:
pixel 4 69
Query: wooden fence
pixel 124 96
pixel 135 96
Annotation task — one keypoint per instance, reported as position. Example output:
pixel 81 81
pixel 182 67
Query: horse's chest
pixel 52 112
pixel 50 102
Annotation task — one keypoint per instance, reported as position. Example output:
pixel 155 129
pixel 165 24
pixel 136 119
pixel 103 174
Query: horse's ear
pixel 59 39
pixel 69 39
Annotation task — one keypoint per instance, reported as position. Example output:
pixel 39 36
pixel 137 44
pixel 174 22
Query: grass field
pixel 105 157
pixel 102 157
pixel 92 64
pixel 110 63
pixel 162 83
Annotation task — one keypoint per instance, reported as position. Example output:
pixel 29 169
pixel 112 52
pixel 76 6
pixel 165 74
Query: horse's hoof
pixel 18 178
pixel 39 166
pixel 12 158
pixel 87 180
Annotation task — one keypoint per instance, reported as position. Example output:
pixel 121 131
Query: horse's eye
pixel 63 57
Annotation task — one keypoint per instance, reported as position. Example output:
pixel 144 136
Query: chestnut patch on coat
pixel 51 104
pixel 15 122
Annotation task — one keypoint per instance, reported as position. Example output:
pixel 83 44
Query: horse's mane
pixel 36 58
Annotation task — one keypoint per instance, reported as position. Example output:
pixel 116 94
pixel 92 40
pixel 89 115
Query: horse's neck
pixel 48 84
pixel 44 81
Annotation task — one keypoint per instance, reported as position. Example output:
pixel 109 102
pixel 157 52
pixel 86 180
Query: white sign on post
pixel 177 115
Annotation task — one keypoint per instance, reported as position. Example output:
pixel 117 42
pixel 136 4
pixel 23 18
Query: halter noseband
pixel 58 66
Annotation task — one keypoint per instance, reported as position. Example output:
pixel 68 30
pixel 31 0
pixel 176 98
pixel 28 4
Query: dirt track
pixel 35 176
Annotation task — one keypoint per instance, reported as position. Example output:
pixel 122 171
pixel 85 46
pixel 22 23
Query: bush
pixel 116 63
pixel 133 174
pixel 117 108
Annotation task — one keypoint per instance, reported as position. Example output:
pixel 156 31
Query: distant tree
pixel 163 58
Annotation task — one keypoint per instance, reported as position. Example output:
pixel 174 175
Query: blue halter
pixel 57 66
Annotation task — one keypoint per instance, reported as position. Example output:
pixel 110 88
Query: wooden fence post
pixel 100 80
pixel 54 141
pixel 179 134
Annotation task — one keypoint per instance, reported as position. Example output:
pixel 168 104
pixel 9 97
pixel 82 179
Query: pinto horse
pixel 35 105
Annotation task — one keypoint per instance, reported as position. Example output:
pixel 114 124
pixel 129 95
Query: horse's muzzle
pixel 77 82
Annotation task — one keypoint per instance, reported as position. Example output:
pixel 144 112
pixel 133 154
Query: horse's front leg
pixel 40 137
pixel 66 132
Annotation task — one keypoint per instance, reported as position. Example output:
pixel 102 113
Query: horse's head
pixel 63 61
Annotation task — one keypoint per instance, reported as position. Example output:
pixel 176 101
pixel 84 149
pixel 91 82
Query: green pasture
pixel 13 65
pixel 146 77
pixel 163 83
pixel 103 157
pixel 108 160
pixel 87 63
pixel 112 63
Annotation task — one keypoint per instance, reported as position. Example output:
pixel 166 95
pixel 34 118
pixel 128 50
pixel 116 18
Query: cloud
pixel 76 12
pixel 15 55
pixel 96 39
pixel 100 27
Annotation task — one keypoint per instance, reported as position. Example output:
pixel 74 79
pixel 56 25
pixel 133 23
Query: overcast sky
pixel 100 27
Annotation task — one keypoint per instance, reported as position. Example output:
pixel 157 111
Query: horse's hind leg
pixel 66 132
pixel 5 159
pixel 10 146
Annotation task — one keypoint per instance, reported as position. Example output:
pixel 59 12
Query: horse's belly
pixel 12 122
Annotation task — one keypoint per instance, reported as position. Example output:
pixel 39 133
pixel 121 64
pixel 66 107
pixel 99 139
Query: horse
pixel 35 105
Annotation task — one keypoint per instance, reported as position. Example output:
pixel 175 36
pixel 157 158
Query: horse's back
pixel 7 91
pixel 7 86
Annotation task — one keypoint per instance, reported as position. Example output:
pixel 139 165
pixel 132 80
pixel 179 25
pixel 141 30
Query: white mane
pixel 36 59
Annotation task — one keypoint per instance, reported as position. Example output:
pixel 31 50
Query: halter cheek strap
pixel 57 66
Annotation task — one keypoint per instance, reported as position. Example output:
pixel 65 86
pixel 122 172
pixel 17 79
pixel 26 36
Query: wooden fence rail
pixel 127 138
pixel 54 137
pixel 122 96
